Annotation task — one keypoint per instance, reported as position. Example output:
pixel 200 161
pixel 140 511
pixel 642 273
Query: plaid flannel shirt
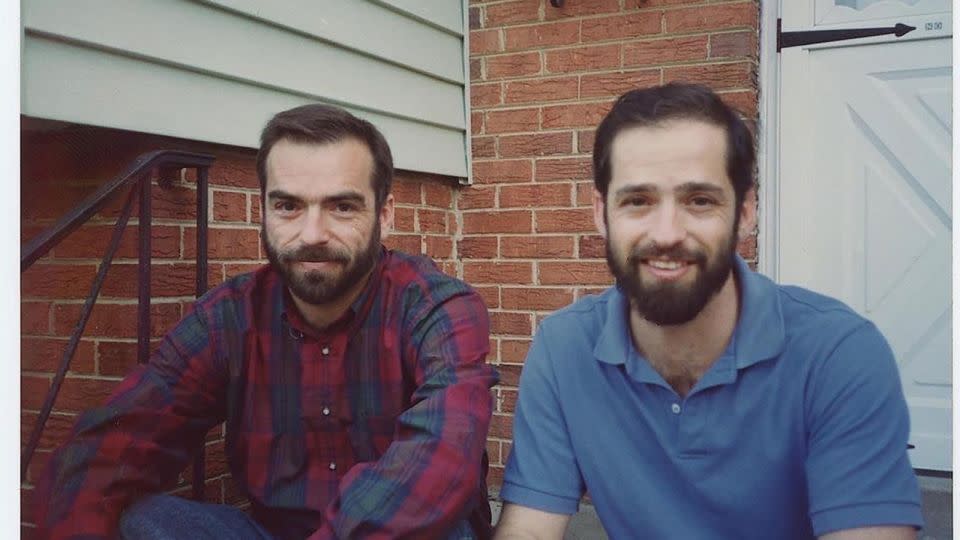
pixel 373 428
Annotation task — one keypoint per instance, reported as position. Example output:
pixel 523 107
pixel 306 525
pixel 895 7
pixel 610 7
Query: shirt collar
pixel 758 336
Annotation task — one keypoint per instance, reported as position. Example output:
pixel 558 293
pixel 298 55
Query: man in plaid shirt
pixel 351 378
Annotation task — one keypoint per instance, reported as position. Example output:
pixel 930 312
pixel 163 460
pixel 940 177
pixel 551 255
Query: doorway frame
pixel 768 161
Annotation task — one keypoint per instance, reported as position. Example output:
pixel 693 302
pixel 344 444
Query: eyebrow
pixel 344 196
pixel 686 187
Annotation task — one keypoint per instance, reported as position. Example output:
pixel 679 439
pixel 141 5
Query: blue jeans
pixel 165 517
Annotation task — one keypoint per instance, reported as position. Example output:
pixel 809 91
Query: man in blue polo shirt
pixel 698 399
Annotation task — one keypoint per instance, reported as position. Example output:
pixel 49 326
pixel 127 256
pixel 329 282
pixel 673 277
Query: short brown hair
pixel 319 123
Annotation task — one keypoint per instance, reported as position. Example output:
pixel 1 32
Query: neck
pixel 683 353
pixel 320 316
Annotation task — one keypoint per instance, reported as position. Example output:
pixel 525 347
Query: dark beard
pixel 315 287
pixel 672 304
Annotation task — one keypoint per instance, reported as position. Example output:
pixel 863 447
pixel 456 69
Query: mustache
pixel 651 251
pixel 315 254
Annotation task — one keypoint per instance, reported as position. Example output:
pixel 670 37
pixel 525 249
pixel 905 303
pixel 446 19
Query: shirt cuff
pixel 866 515
pixel 538 500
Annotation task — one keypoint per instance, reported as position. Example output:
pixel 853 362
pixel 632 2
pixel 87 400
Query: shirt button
pixel 675 408
pixel 333 466
pixel 325 350
pixel 326 411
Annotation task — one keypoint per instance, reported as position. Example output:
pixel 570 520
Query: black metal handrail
pixel 137 176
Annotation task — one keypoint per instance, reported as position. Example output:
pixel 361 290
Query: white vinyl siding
pixel 216 70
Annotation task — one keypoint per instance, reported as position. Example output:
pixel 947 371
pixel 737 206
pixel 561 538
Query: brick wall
pixel 60 166
pixel 541 80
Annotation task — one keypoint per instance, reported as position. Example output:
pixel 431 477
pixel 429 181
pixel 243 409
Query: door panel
pixel 865 197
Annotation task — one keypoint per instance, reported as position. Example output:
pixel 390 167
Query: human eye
pixel 285 206
pixel 702 201
pixel 345 207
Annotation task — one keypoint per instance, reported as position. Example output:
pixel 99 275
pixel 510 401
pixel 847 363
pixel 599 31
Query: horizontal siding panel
pixel 364 26
pixel 446 14
pixel 194 36
pixel 73 83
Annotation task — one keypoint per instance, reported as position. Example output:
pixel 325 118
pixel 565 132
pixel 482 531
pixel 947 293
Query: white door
pixel 864 202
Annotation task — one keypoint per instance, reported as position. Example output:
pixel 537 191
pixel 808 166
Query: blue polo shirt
pixel 799 429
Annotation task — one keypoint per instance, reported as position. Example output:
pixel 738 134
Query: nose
pixel 667 227
pixel 316 227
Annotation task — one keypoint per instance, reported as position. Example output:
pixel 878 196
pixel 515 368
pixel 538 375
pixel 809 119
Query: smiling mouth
pixel 669 269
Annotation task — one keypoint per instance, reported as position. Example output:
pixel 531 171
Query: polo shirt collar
pixel 758 336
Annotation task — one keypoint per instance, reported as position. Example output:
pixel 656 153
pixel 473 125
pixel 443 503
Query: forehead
pixel 311 170
pixel 673 151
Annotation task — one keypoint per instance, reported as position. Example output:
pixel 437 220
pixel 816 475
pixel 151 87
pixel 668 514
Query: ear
pixel 599 208
pixel 748 214
pixel 386 217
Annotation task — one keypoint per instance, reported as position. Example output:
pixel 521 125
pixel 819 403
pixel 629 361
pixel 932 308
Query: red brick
pixel 491 172
pixel 734 44
pixel 511 12
pixel 477 197
pixel 552 89
pixel 536 247
pixel 215 460
pixel 510 323
pixel 513 351
pixel 438 194
pixel 485 41
pixel 485 95
pixel 78 395
pixel 744 101
pixel 404 219
pixel 569 221
pixel 585 193
pixel 613 84
pixel 476 123
pixel 224 243
pixel 530 195
pixel 166 280
pixel 432 221
pixel 35 318
pixel 483 147
pixel 508 401
pixel 494 478
pixel 581 8
pixel 513 120
pixel 583 59
pixel 497 272
pixel 564 169
pixel 513 65
pixel 477 247
pixel 91 242
pixel 665 51
pixel 57 281
pixel 501 425
pixel 539 299
pixel 175 202
pixel 514 221
pixel 474 18
pixel 593 247
pixel 115 320
pixel 621 26
pixel 116 358
pixel 702 18
pixel 585 140
pixel 33 390
pixel 256 212
pixel 575 115
pixel 407 243
pixel 574 273
pixel 537 144
pixel 542 35
pixel 45 354
pixel 510 374
pixel 716 76
pixel 235 171
pixel 493 452
pixel 229 206
pixel 491 297
pixel 55 432
pixel 406 189
pixel 439 247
